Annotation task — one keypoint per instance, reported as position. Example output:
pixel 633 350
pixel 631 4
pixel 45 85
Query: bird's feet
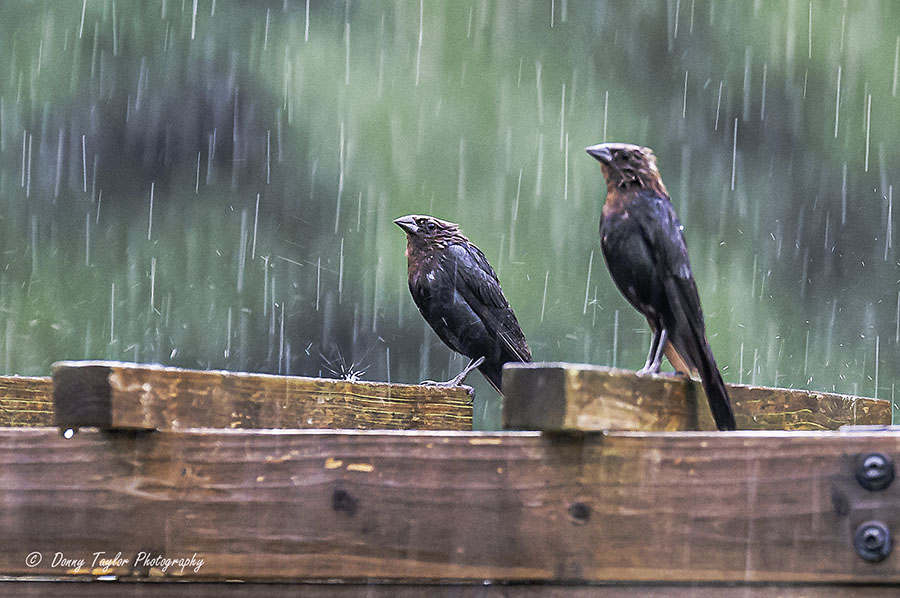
pixel 459 378
pixel 647 370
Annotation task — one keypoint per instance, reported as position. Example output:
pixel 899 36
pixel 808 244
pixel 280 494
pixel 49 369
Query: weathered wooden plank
pixel 26 401
pixel 133 396
pixel 775 507
pixel 133 589
pixel 566 396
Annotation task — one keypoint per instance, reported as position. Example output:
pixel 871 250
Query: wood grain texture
pixel 154 589
pixel 132 396
pixel 26 401
pixel 566 396
pixel 564 508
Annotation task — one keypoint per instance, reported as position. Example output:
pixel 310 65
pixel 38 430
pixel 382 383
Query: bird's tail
pixel 688 335
pixel 714 387
pixel 493 373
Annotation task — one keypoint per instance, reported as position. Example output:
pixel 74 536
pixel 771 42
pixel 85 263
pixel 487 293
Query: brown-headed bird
pixel 459 295
pixel 645 252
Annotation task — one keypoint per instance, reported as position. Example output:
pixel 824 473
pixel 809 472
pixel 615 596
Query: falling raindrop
pixel 718 105
pixel 562 118
pixel 84 164
pixel 888 235
pixel 868 128
pixel 809 34
pixel 87 239
pixel 605 113
pixel 193 19
pixel 837 103
pixel 152 285
pixel 112 314
pixel 877 360
pixel 734 154
pixel 197 181
pixel 419 45
pixel 587 288
pixel 306 24
pixel 341 274
pixel 150 218
pixel 81 25
pixel 59 162
pixel 255 225
pixel 896 61
pixel 615 349
pixel 762 108
pixel 318 281
pixel 897 321
pixel 547 279
pixel 347 53
pixel 228 334
pixel 28 177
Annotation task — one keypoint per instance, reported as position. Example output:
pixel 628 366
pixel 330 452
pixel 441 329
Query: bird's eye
pixel 624 155
pixel 430 226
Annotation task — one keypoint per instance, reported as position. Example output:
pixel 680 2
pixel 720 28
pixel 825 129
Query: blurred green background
pixel 211 184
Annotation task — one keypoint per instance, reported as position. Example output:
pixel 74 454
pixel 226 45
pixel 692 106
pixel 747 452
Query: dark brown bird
pixel 645 252
pixel 459 295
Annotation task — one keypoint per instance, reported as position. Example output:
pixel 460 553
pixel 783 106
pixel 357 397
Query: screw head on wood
pixel 874 471
pixel 872 541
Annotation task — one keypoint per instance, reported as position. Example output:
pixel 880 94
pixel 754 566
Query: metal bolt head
pixel 872 541
pixel 874 471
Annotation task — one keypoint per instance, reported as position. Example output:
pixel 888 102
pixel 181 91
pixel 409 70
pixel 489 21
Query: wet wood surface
pixel 618 507
pixel 26 401
pixel 134 396
pixel 565 396
pixel 151 589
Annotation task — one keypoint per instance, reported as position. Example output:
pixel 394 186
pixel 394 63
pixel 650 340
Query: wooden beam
pixel 26 401
pixel 375 589
pixel 567 396
pixel 113 395
pixel 618 507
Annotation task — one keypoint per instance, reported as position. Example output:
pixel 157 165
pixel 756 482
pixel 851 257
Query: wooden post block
pixel 696 509
pixel 115 395
pixel 26 401
pixel 566 396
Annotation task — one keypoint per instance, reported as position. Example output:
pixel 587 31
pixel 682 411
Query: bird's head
pixel 627 166
pixel 428 232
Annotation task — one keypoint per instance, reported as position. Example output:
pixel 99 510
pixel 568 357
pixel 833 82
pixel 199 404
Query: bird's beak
pixel 408 224
pixel 600 152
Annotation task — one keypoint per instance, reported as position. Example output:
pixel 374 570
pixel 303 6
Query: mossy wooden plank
pixel 566 396
pixel 376 589
pixel 134 396
pixel 26 401
pixel 617 507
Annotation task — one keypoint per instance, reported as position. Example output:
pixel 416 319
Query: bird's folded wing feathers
pixel 478 284
pixel 666 242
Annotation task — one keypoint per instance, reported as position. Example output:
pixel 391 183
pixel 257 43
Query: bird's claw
pixel 649 371
pixel 436 383
pixel 459 378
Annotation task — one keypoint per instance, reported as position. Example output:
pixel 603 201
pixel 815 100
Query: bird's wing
pixel 666 242
pixel 479 286
pixel 687 330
